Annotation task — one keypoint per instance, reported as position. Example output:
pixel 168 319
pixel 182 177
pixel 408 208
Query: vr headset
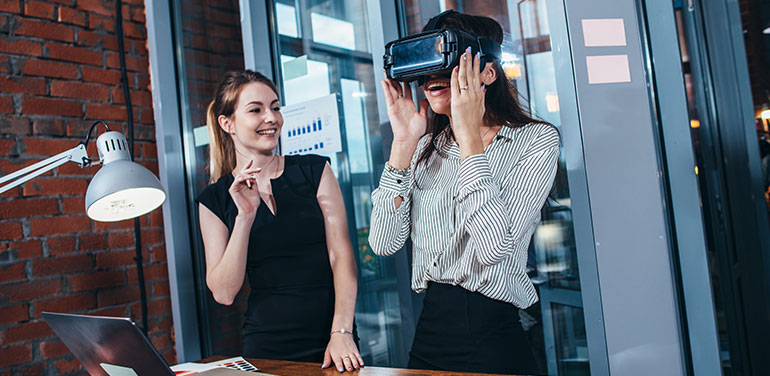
pixel 434 52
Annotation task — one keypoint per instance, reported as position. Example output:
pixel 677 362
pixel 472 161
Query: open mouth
pixel 267 132
pixel 436 85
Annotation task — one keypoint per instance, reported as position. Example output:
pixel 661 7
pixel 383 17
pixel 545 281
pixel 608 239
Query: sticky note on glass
pixel 608 69
pixel 604 32
pixel 201 135
pixel 295 68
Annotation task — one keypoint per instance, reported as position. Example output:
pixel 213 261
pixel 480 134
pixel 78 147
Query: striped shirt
pixel 470 221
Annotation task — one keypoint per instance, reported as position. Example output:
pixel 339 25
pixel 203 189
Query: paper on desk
pixel 193 367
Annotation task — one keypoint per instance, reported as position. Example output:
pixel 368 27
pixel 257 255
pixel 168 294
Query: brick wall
pixel 59 72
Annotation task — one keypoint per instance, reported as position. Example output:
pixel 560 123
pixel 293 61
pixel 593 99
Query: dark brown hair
pixel 221 147
pixel 501 99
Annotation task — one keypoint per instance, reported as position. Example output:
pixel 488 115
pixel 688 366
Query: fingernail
pixel 341 369
pixel 323 365
pixel 478 54
pixel 468 50
pixel 483 86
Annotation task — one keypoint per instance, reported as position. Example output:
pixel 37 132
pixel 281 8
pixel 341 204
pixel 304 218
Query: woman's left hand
pixel 343 352
pixel 468 105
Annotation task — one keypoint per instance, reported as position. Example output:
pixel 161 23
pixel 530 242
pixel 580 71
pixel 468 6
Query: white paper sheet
pixel 608 69
pixel 604 32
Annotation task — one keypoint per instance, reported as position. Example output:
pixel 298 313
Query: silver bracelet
pixel 341 331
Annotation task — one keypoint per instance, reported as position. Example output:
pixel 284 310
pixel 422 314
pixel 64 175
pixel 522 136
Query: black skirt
pixel 465 331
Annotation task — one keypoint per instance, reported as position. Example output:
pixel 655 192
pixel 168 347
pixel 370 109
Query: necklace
pixel 487 131
pixel 268 163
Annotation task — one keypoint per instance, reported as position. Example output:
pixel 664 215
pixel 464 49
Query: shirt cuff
pixel 394 181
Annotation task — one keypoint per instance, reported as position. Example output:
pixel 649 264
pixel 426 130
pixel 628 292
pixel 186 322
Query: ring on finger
pixel 464 87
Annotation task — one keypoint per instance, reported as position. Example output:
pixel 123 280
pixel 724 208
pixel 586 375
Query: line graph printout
pixel 311 127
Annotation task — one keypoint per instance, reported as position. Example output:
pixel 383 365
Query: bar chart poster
pixel 311 127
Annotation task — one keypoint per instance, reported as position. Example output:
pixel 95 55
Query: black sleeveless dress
pixel 291 304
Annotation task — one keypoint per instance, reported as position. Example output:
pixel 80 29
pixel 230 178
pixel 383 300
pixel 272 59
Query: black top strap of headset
pixel 437 19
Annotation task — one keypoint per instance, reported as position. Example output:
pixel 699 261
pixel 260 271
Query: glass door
pixel 323 49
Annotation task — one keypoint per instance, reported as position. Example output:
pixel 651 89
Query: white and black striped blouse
pixel 470 221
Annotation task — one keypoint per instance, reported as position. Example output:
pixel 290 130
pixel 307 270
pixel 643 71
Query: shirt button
pixel 398 181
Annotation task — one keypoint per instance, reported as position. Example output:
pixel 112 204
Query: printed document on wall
pixel 311 127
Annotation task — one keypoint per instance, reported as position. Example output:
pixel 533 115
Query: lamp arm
pixel 77 154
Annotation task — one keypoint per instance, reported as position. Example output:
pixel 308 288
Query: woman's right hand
pixel 244 190
pixel 407 123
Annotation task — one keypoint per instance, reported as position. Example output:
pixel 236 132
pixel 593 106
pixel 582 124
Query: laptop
pixel 114 346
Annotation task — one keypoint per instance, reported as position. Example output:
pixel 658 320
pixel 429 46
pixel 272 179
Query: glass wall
pixel 324 51
pixel 555 325
pixel 209 40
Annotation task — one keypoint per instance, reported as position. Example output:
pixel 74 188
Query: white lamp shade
pixel 123 190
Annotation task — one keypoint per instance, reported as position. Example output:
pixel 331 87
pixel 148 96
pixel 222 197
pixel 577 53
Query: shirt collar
pixel 446 146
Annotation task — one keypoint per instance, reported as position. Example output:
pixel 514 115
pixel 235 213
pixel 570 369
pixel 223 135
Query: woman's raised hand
pixel 244 190
pixel 467 99
pixel 407 122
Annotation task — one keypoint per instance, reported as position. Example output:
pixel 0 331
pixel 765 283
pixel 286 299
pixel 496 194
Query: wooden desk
pixel 287 368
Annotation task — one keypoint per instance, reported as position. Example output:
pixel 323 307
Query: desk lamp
pixel 121 189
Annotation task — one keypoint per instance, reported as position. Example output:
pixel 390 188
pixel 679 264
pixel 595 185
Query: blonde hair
pixel 221 148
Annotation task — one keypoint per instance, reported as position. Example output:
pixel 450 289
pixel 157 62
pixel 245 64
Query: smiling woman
pixel 303 283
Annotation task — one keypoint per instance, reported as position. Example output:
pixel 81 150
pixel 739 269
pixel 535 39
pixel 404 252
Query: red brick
pixel 92 242
pixel 14 314
pixel 13 272
pixel 134 30
pixel 72 205
pixel 26 332
pixel 11 356
pixel 106 226
pixel 39 9
pixel 25 85
pixel 114 258
pixel 47 68
pixel 67 365
pixel 105 112
pixel 59 225
pixel 120 295
pixel 47 186
pixel 45 30
pixel 10 230
pixel 73 16
pixel 47 146
pixel 52 349
pixel 21 47
pixel 29 290
pixel 70 89
pixel 138 15
pixel 11 6
pixel 53 127
pixel 6 144
pixel 100 22
pixel 6 105
pixel 60 245
pixel 125 239
pixel 161 342
pixel 157 306
pixel 160 289
pixel 97 40
pixel 121 311
pixel 62 265
pixel 133 63
pixel 159 254
pixel 28 208
pixel 71 53
pixel 66 304
pixel 32 369
pixel 105 76
pixel 50 106
pixel 26 249
pixel 96 280
pixel 103 7
pixel 169 356
pixel 138 98
pixel 149 150
pixel 14 125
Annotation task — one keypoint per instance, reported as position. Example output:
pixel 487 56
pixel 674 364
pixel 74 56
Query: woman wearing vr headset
pixel 469 193
pixel 282 222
